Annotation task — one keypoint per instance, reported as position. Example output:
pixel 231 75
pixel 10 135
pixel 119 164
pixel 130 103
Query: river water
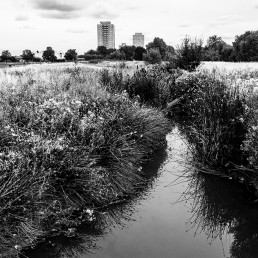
pixel 178 213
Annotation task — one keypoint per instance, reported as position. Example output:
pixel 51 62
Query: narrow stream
pixel 178 214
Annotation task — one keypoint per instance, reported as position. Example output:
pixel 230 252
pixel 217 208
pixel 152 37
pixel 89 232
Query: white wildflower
pixel 89 211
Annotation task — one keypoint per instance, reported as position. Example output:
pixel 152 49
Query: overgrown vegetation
pixel 216 110
pixel 219 119
pixel 67 146
pixel 78 137
pixel 216 118
pixel 153 86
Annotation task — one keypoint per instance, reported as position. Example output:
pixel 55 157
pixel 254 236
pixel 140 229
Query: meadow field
pixel 77 136
pixel 230 66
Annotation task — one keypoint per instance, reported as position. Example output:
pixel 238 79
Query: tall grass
pixel 152 86
pixel 216 108
pixel 219 121
pixel 67 146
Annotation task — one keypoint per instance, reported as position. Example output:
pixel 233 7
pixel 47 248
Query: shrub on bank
pixel 216 121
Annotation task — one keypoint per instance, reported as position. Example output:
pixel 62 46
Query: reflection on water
pixel 177 213
pixel 221 207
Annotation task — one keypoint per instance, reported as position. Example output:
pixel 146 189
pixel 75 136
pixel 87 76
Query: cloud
pixel 104 14
pixel 59 9
pixel 104 11
pixel 226 20
pixel 131 8
pixel 255 4
pixel 26 27
pixel 21 17
pixel 76 31
pixel 70 9
pixel 184 25
pixel 57 5
pixel 228 37
pixel 59 15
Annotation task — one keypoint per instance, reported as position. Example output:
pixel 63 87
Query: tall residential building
pixel 106 34
pixel 138 40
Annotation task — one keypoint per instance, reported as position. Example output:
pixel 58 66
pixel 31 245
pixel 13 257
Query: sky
pixel 72 24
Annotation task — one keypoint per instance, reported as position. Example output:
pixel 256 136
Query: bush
pixel 117 55
pixel 112 80
pixel 60 60
pixel 93 57
pixel 153 56
pixel 189 54
pixel 153 87
pixel 37 59
pixel 216 120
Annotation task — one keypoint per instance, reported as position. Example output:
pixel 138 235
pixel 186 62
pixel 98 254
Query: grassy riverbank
pixel 67 146
pixel 214 106
pixel 220 120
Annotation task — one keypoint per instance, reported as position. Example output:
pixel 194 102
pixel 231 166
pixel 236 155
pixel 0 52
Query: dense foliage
pixel 189 54
pixel 71 55
pixel 246 46
pixel 49 55
pixel 27 55
pixel 5 56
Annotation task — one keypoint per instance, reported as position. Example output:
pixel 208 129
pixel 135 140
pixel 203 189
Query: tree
pixel 159 44
pixel 138 53
pixel 13 59
pixel 91 52
pixel 70 55
pixel 102 50
pixel 6 55
pixel 217 50
pixel 153 56
pixel 49 55
pixel 189 54
pixel 27 55
pixel 246 46
pixel 227 53
pixel 170 54
pixel 117 55
pixel 128 51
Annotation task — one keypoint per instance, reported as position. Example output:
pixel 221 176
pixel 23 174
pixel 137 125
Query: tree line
pixel 186 55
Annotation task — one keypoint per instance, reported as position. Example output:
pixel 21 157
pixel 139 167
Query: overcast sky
pixel 65 24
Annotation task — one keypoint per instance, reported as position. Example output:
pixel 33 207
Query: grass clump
pixel 216 120
pixel 67 146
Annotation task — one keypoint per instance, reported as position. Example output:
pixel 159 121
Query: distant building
pixel 138 40
pixel 106 34
pixel 18 58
